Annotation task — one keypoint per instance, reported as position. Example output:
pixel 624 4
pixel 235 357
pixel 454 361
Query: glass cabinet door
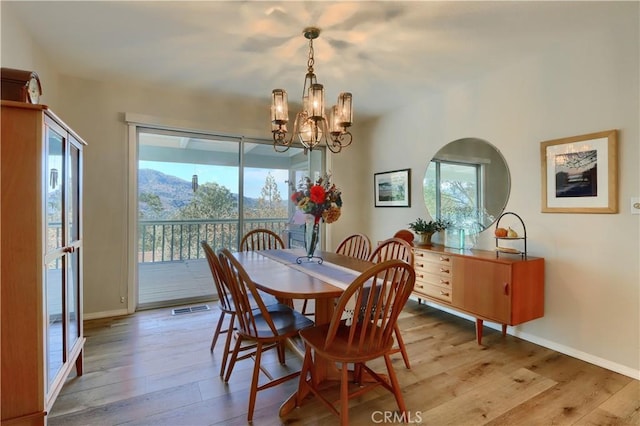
pixel 54 180
pixel 63 255
pixel 72 220
pixel 55 328
pixel 73 190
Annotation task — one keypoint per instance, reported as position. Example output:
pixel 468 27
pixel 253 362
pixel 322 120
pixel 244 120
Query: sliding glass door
pixel 195 187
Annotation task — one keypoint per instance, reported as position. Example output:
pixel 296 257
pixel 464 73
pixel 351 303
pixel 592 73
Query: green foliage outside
pixel 209 201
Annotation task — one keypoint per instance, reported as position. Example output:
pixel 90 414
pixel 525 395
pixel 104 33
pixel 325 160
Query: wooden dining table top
pixel 284 281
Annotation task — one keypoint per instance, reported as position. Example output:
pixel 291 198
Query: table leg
pixel 323 313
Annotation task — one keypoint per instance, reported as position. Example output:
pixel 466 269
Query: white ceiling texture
pixel 386 53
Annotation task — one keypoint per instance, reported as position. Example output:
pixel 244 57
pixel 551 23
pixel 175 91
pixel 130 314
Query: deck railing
pixel 177 240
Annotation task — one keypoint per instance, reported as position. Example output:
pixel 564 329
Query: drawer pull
pixel 444 259
pixel 419 254
pixel 420 265
pixel 444 293
pixel 445 282
pixel 419 275
pixel 420 286
pixel 446 271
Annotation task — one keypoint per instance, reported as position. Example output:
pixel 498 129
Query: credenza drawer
pixel 433 268
pixel 434 291
pixel 421 255
pixel 435 279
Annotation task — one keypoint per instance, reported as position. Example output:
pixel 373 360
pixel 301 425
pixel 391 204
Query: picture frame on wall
pixel 393 188
pixel 579 173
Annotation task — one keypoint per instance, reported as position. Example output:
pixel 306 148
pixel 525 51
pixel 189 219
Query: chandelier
pixel 310 126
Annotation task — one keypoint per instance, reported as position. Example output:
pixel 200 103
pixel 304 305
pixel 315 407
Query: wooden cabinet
pixel 41 225
pixel 505 290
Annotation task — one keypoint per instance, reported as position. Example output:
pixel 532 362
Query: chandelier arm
pixel 280 139
pixel 339 141
pixel 345 138
pixel 279 146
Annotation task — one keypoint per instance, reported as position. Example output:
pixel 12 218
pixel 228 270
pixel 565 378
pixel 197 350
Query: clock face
pixel 33 91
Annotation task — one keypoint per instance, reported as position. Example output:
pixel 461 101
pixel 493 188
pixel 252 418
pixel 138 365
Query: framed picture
pixel 393 189
pixel 579 174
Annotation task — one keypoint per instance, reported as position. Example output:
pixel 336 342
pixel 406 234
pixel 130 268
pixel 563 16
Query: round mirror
pixel 467 183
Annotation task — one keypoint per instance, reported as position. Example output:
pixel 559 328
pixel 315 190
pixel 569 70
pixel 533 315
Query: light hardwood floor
pixel 152 368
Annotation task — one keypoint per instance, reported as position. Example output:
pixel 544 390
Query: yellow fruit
pixel 512 234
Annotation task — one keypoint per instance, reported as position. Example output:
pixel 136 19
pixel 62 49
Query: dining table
pixel 288 274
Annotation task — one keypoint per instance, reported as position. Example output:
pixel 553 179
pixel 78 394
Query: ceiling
pixel 387 53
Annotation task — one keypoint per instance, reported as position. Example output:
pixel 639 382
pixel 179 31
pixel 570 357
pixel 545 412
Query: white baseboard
pixel 592 359
pixel 106 314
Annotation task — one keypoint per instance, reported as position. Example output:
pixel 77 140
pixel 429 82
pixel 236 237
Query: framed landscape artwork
pixel 393 189
pixel 579 173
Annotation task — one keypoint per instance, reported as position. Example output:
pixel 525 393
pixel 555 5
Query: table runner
pixel 331 273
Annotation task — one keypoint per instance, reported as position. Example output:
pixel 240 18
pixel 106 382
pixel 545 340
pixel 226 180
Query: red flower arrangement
pixel 321 198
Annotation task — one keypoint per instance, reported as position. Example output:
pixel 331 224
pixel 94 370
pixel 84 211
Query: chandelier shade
pixel 311 126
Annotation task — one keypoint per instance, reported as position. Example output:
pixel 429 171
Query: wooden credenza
pixel 508 290
pixel 41 225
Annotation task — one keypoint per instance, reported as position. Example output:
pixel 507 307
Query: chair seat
pixel 340 350
pixel 286 321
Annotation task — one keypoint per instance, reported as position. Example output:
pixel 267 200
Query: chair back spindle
pixel 261 239
pixel 393 248
pixel 356 245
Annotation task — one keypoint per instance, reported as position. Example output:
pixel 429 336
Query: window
pixel 453 191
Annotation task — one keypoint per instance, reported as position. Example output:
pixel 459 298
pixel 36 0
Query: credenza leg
pixel 504 330
pixel 479 324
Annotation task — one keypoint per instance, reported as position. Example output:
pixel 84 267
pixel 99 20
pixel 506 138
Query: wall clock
pixel 20 85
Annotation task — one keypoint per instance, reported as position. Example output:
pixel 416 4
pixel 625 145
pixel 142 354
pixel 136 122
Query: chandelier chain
pixel 310 61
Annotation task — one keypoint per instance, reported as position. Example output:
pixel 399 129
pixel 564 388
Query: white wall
pixel 581 86
pixel 19 51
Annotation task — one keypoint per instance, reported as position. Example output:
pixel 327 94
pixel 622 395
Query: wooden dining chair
pixel 264 239
pixel 404 234
pixel 375 298
pixel 227 306
pixel 356 245
pixel 225 302
pixel 392 248
pixel 395 248
pixel 261 239
pixel 265 328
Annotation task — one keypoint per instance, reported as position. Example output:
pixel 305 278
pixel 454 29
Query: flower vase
pixel 312 236
pixel 424 238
